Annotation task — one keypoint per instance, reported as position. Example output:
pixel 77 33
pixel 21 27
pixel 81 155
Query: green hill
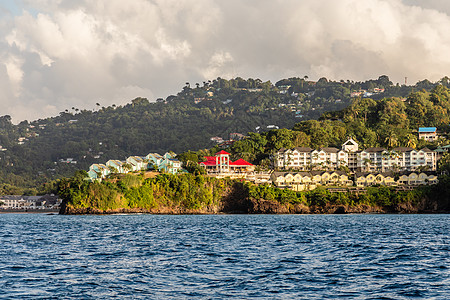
pixel 46 149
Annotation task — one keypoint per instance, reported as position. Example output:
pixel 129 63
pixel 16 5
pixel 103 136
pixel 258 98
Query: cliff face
pixel 236 201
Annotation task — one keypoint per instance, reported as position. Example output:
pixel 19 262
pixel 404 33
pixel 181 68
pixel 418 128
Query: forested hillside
pixel 43 150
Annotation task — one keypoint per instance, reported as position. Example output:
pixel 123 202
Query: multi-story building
pixel 374 159
pixel 297 158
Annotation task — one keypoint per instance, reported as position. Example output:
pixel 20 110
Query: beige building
pixel 418 178
pixel 300 181
pixel 368 179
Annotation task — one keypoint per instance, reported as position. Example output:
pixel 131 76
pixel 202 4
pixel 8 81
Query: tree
pixel 444 164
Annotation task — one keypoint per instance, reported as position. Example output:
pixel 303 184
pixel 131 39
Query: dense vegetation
pixel 163 193
pixel 38 152
pixel 199 194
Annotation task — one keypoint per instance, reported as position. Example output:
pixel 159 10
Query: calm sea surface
pixel 225 256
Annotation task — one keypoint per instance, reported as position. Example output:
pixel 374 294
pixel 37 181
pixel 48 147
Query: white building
pixel 374 159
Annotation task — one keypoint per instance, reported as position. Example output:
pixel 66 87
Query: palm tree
pixel 411 140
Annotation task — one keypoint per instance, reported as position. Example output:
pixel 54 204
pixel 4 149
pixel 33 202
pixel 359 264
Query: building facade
pixel 374 159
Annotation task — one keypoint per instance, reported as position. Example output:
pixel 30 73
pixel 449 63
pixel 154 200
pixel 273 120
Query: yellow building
pixel 300 181
pixel 418 178
pixel 368 179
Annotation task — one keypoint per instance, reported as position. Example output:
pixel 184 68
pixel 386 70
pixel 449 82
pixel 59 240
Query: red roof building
pixel 221 164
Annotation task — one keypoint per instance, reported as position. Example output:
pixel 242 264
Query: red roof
pixel 222 152
pixel 241 162
pixel 210 161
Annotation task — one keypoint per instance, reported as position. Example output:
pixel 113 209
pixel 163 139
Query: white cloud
pixel 74 53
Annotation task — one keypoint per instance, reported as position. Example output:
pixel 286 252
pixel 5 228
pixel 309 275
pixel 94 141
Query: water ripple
pixel 225 256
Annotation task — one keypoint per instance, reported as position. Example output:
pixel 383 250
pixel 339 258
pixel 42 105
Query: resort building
pixel 368 179
pixel 374 159
pixel 221 166
pixel 300 181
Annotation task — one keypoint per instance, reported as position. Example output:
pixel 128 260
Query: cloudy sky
pixel 59 54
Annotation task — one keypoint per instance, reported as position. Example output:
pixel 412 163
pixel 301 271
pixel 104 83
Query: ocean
pixel 224 256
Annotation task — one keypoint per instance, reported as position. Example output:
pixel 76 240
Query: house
pixel 116 166
pixel 216 139
pixel 305 158
pixel 236 136
pixel 154 159
pixel 170 165
pixel 98 171
pixel 137 163
pixel 220 165
pixel 428 133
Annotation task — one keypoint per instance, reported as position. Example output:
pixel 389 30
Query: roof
pixel 428 173
pixel 210 161
pixel 364 174
pixel 426 149
pixel 222 152
pixel 303 149
pixel 375 149
pixel 284 174
pixel 330 149
pixel 240 162
pixel 427 129
pixel 350 141
pixel 403 149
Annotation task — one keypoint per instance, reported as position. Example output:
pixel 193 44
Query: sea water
pixel 224 256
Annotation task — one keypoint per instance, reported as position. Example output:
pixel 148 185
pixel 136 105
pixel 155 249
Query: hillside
pixel 43 150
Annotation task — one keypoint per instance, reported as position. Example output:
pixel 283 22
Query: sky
pixel 59 54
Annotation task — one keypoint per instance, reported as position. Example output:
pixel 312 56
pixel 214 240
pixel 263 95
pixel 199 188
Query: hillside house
pixel 98 171
pixel 170 165
pixel 428 133
pixel 154 159
pixel 137 163
pixel 116 166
